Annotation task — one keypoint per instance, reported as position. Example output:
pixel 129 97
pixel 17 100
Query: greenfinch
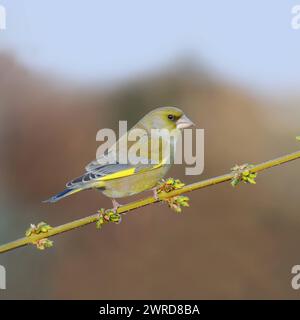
pixel 117 180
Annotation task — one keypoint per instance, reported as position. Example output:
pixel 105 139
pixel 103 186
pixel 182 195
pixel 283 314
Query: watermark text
pixel 153 147
pixel 2 278
pixel 295 22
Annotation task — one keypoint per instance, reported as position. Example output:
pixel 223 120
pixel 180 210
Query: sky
pixel 250 41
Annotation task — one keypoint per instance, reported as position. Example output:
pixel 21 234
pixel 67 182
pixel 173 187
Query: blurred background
pixel 69 69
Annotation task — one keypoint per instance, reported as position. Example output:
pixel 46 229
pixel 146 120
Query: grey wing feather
pixel 89 177
pixel 100 168
pixel 112 153
pixel 97 173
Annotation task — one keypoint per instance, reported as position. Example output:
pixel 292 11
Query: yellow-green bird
pixel 117 180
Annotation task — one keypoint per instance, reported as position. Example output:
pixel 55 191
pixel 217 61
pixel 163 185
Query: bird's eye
pixel 171 117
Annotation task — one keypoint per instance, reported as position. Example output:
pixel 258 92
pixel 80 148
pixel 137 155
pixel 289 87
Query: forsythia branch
pixel 34 237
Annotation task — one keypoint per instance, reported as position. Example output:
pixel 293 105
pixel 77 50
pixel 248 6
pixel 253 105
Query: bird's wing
pixel 115 150
pixel 98 171
pixel 109 172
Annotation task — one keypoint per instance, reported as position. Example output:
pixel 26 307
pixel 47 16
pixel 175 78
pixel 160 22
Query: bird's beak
pixel 184 122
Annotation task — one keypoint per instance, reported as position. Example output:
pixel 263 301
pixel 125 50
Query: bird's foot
pixel 155 193
pixel 116 205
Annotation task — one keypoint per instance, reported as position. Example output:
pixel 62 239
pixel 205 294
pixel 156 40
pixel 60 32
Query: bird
pixel 117 180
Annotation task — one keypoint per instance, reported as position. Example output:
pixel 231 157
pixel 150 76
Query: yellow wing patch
pixel 120 174
pixel 127 172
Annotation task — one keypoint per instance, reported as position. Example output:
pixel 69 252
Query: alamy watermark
pixel 152 147
pixel 296 278
pixel 295 22
pixel 2 278
pixel 2 18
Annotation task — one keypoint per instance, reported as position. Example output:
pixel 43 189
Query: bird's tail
pixel 63 194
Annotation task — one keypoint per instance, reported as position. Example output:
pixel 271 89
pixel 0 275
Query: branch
pixel 34 238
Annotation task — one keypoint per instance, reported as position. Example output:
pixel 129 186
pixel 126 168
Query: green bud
pixel 246 173
pixel 48 243
pixel 235 182
pixel 45 228
pixel 252 181
pixel 177 209
pixel 116 218
pixel 28 232
pixel 44 243
pixel 100 222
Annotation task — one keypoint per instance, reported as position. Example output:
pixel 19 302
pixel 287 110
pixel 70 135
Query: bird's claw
pixel 116 205
pixel 155 194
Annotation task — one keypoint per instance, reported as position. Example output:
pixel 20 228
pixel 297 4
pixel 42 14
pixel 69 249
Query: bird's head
pixel 169 118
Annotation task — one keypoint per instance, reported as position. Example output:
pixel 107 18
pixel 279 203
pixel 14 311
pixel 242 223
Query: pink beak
pixel 184 122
